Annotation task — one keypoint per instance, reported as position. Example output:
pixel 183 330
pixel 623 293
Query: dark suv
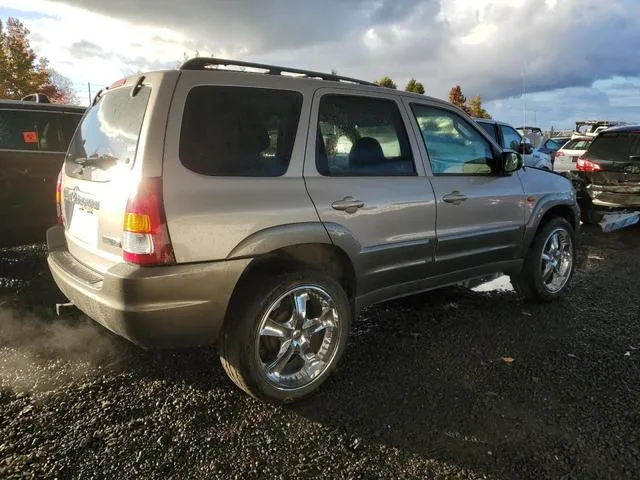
pixel 608 174
pixel 34 137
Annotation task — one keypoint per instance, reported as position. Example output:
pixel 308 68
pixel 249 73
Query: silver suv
pixel 260 211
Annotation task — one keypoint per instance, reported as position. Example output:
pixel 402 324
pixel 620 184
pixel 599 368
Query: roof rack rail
pixel 201 63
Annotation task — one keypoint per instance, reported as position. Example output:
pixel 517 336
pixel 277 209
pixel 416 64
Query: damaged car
pixel 607 175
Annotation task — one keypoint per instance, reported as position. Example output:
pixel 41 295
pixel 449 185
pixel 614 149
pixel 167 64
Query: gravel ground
pixel 450 384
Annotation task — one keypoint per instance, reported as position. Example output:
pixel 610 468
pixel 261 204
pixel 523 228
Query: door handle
pixel 347 204
pixel 454 197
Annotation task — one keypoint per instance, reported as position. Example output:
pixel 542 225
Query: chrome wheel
pixel 298 337
pixel 556 261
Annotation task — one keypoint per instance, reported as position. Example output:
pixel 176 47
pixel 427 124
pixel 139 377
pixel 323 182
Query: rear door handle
pixel 454 197
pixel 347 204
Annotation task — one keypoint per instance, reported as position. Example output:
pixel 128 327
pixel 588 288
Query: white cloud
pixel 484 45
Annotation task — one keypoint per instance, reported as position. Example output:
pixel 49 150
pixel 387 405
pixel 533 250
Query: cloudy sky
pixel 573 58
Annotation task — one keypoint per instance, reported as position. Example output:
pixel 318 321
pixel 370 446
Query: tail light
pixel 145 240
pixel 59 199
pixel 585 165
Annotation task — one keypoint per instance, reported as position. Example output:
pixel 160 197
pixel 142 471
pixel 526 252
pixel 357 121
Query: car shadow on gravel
pixel 493 383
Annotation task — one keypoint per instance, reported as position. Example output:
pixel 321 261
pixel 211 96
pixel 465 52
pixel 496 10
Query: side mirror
pixel 526 147
pixel 510 162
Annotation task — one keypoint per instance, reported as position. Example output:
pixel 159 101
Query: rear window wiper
pixel 95 161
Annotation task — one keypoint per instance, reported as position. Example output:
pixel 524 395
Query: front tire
pixel 285 335
pixel 549 264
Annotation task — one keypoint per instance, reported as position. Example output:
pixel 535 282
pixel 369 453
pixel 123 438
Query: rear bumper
pixel 176 306
pixel 617 197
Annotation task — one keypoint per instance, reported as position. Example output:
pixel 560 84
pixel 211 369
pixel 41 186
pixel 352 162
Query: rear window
pixel 239 131
pixel 576 144
pixel 611 146
pixel 36 131
pixel 108 135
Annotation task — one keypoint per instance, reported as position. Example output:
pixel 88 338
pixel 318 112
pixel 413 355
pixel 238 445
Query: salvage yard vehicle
pixel 551 145
pixel 34 136
pixel 509 138
pixel 566 158
pixel 262 210
pixel 608 173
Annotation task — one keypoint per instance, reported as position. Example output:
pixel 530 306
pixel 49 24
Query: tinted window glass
pixel 239 131
pixel 576 144
pixel 36 131
pixel 510 138
pixel 454 147
pixel 108 135
pixel 362 136
pixel 489 128
pixel 612 146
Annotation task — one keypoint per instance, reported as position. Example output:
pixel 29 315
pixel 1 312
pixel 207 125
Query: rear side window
pixel 239 131
pixel 577 144
pixel 489 128
pixel 36 131
pixel 612 146
pixel 361 136
pixel 108 135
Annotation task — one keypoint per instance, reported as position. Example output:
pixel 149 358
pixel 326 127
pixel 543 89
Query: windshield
pixel 108 135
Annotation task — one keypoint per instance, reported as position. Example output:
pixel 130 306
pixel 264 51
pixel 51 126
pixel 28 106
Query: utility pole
pixel 90 99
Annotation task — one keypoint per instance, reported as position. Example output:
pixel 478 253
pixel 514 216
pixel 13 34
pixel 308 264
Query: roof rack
pixel 201 63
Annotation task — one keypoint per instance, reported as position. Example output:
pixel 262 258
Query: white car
pixel 566 158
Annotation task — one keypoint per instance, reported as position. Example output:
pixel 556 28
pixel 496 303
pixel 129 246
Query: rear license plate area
pixel 83 218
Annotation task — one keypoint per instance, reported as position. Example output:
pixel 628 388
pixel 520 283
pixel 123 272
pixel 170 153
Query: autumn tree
pixel 414 86
pixel 457 98
pixel 22 72
pixel 386 82
pixel 475 108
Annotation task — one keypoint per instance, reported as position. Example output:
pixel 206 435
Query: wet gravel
pixel 450 384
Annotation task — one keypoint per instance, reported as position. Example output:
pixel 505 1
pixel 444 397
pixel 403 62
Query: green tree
pixel 415 87
pixel 333 71
pixel 22 72
pixel 475 108
pixel 386 82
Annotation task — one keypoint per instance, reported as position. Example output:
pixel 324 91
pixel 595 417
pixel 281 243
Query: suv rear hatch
pixel 111 171
pixel 611 167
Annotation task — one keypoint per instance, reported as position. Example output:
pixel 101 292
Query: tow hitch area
pixel 60 306
pixel 615 221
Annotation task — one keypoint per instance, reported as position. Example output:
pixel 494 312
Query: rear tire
pixel 285 335
pixel 550 263
pixel 589 215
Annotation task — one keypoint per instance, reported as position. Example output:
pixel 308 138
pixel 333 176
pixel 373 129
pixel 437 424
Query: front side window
pixel 510 138
pixel 361 136
pixel 239 131
pixel 453 145
pixel 37 131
